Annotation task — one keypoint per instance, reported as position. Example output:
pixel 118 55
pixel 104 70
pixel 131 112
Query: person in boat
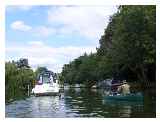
pixel 114 86
pixel 124 89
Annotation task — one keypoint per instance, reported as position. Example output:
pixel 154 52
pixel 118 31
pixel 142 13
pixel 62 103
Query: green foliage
pixel 40 70
pixel 133 43
pixel 81 70
pixel 17 80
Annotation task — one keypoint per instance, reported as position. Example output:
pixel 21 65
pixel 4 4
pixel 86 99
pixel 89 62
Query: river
pixel 79 103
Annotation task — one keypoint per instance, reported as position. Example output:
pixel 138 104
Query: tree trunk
pixel 143 73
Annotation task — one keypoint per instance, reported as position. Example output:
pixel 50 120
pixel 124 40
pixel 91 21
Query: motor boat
pixel 46 85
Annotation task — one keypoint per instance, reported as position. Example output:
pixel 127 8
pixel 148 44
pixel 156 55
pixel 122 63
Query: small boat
pixel 47 84
pixel 128 97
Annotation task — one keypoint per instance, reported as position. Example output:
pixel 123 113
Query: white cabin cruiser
pixel 47 84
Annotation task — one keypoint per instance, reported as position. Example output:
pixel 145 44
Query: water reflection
pixel 80 103
pixel 84 102
pixel 45 106
pixel 123 108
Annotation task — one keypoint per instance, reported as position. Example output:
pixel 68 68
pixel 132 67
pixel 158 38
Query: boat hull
pixel 45 90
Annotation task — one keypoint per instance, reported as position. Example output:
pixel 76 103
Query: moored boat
pixel 47 84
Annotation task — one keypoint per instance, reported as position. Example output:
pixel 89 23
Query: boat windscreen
pixel 46 79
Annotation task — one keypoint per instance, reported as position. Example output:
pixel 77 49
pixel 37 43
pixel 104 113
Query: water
pixel 79 103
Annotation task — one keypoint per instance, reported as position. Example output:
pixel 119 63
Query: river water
pixel 79 103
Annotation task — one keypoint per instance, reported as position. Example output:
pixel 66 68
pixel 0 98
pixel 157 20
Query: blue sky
pixel 54 35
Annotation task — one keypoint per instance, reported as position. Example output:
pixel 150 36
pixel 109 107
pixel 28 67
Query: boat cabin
pixel 46 77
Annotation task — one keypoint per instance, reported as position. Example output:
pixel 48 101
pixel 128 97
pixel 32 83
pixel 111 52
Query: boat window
pixel 46 79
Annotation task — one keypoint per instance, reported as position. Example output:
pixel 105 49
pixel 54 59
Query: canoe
pixel 129 97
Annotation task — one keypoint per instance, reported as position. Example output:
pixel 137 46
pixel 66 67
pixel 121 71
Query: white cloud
pixel 21 26
pixel 38 43
pixel 44 31
pixel 40 54
pixel 38 30
pixel 84 20
pixel 87 21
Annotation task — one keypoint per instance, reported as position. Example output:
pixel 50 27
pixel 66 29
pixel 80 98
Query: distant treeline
pixel 127 50
pixel 18 75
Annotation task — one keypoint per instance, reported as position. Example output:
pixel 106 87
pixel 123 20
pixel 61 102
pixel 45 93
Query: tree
pixel 16 81
pixel 81 71
pixel 129 42
pixel 133 40
pixel 40 70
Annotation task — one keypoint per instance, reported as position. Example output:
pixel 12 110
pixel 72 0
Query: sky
pixel 52 36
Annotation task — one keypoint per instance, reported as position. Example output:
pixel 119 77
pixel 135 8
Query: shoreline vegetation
pixel 17 78
pixel 127 51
